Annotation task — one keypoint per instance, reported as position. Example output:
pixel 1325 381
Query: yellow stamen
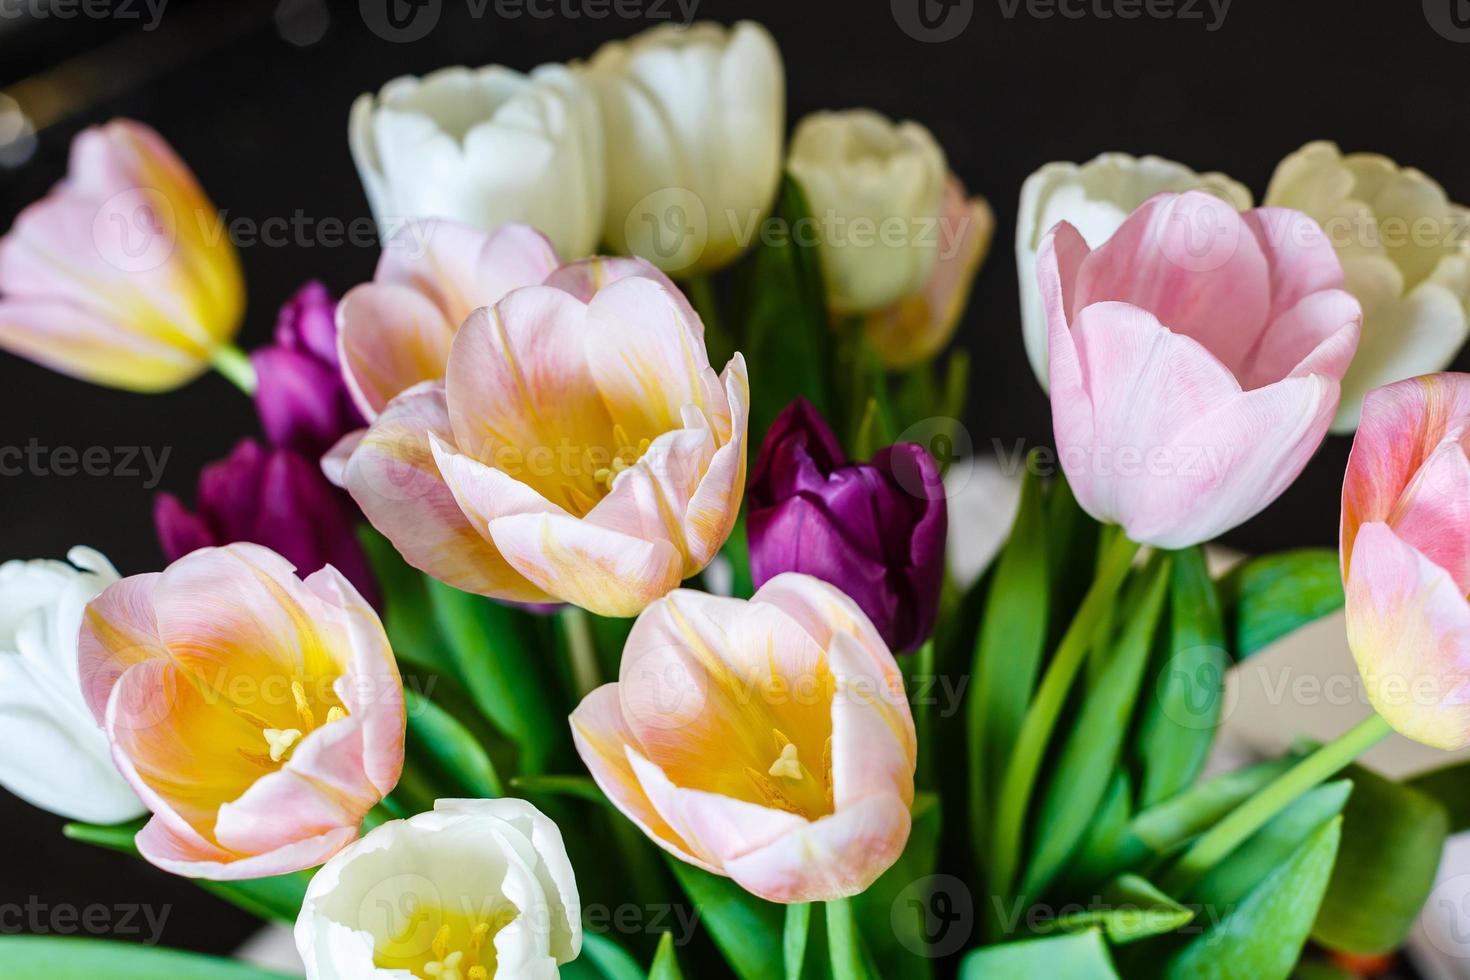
pixel 303 707
pixel 251 717
pixel 787 765
pixel 477 936
pixel 335 713
pixel 770 793
pixel 280 740
pixel 478 973
pixel 440 945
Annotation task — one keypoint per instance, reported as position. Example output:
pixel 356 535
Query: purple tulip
pixel 300 395
pixel 874 530
pixel 272 497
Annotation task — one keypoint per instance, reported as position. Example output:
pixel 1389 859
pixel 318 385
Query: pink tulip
pixel 1406 556
pixel 579 449
pixel 259 716
pixel 396 330
pixel 123 275
pixel 769 740
pixel 1196 358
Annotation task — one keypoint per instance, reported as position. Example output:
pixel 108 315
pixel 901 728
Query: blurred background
pixel 254 95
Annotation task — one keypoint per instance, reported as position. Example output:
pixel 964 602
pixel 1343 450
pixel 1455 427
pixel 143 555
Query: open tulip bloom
pixel 489 656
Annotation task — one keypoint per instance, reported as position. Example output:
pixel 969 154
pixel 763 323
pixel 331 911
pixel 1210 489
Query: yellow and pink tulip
pixel 1406 556
pixel 768 740
pixel 579 448
pixel 123 275
pixel 259 716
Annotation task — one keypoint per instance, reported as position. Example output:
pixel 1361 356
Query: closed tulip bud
pixel 272 497
pixel 1406 556
pixel 485 148
pixel 55 755
pixel 875 188
pixel 769 740
pixel 473 890
pixel 258 715
pixel 1196 358
pixel 1405 252
pixel 875 530
pixel 579 449
pixel 1094 198
pixel 302 400
pixel 122 275
pixel 694 118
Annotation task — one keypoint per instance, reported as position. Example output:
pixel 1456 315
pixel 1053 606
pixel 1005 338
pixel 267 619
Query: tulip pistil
pixel 475 961
pixel 281 741
pixel 627 454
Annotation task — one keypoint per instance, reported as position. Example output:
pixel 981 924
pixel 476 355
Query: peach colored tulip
pixel 769 740
pixel 396 330
pixel 579 449
pixel 1196 359
pixel 1406 556
pixel 123 275
pixel 916 328
pixel 259 716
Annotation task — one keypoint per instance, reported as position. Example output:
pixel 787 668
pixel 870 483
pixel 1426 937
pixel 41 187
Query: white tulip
pixel 486 148
pixel 875 188
pixel 55 755
pixel 1404 254
pixel 693 119
pixel 1094 197
pixel 471 890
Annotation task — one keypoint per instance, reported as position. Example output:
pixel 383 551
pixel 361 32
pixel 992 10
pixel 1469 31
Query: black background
pixel 262 121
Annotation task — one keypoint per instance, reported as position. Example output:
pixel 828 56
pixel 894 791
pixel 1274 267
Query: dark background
pixel 254 96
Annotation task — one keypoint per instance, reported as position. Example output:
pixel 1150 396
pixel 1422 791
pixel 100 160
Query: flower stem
pixel 1214 844
pixel 842 941
pixel 586 675
pixel 233 363
pixel 1041 716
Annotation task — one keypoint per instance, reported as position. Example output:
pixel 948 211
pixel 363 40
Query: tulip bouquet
pixel 559 583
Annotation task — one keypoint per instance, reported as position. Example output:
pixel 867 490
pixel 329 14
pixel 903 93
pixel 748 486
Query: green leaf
pixel 500 670
pixel 581 787
pixel 408 616
pixel 1392 839
pixel 737 550
pixel 1068 956
pixel 891 913
pixel 1008 651
pixel 1261 938
pixel 609 960
pixel 1166 825
pixel 278 897
pixel 448 747
pixel 787 340
pixel 1072 544
pixel 665 963
pixel 1080 778
pixel 1127 909
pixel 1107 847
pixel 69 958
pixel 747 930
pixel 1179 721
pixel 794 937
pixel 1266 598
pixel 1228 882
pixel 1450 785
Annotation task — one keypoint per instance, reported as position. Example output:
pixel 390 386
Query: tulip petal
pixel 1316 336
pixel 86 345
pixel 394 479
pixel 1408 625
pixel 1298 253
pixel 834 857
pixel 873 741
pixel 1193 262
pixel 712 510
pixel 1432 515
pixel 119 631
pixel 603 571
pixel 461 268
pixel 390 339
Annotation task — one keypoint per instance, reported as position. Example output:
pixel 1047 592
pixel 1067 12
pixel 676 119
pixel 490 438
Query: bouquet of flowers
pixel 558 583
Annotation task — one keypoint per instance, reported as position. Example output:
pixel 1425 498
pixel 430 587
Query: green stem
pixel 842 941
pixel 923 673
pixel 586 675
pixel 1214 844
pixel 233 363
pixel 717 341
pixel 1041 716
